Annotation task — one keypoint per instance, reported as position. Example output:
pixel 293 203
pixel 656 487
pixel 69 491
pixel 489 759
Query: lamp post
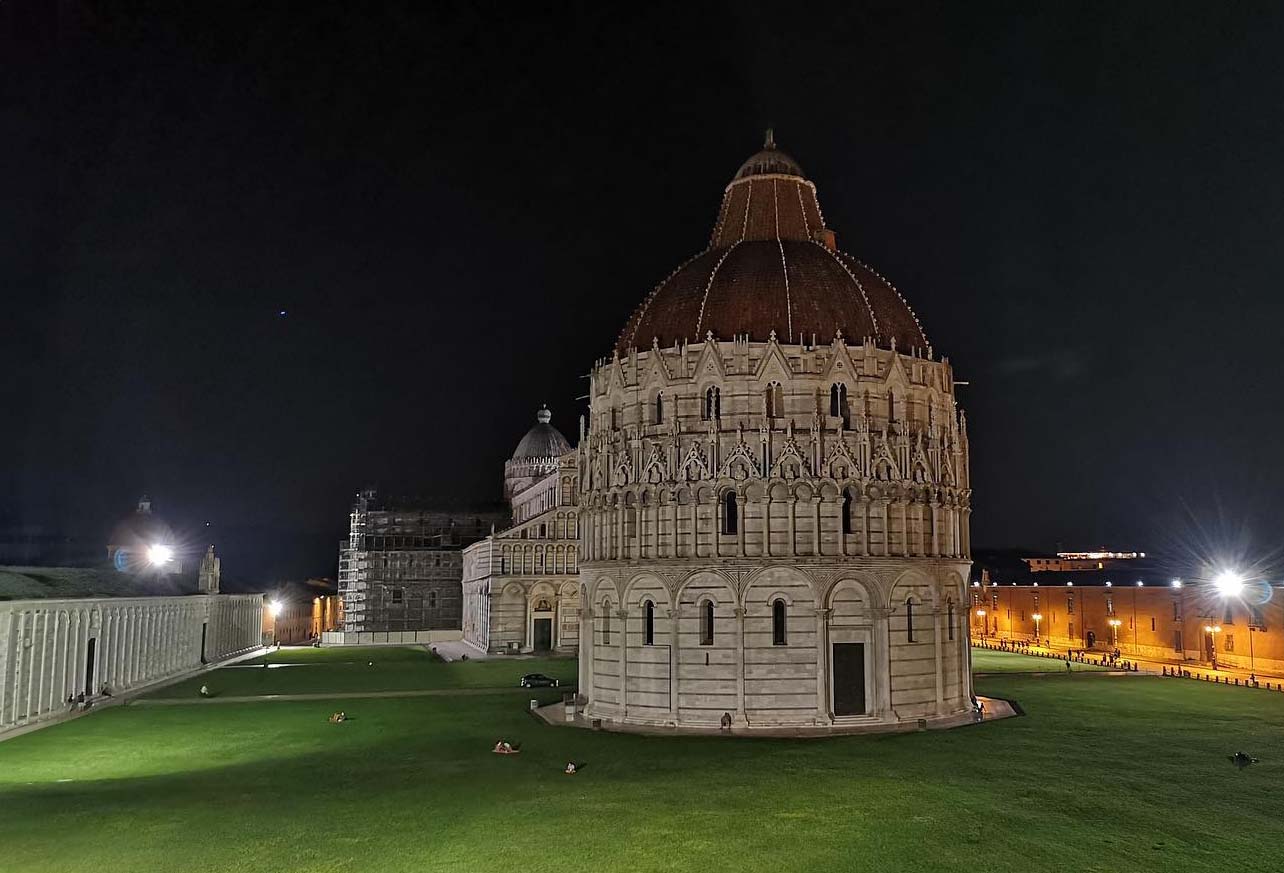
pixel 1114 632
pixel 1038 617
pixel 1252 666
pixel 980 613
pixel 1213 630
pixel 1229 583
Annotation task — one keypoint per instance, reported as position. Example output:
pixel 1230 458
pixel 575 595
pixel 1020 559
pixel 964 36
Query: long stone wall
pixel 51 650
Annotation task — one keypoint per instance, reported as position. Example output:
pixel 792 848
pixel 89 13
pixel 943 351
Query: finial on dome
pixel 770 142
pixel 544 416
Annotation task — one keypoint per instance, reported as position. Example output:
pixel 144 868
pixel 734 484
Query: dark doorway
pixel 90 650
pixel 543 634
pixel 849 679
pixel 1091 639
pixel 1177 642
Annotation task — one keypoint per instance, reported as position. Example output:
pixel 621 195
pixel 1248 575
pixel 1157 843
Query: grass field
pixel 990 661
pixel 1104 773
pixel 378 668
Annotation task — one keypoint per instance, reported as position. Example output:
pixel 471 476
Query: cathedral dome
pixel 543 440
pixel 773 266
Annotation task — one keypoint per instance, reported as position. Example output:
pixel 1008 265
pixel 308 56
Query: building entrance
pixel 849 679
pixel 543 634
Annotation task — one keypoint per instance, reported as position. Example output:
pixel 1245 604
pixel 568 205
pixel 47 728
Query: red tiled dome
pixel 772 266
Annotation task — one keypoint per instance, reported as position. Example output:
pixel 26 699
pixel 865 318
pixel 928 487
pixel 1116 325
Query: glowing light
pixel 1212 628
pixel 1100 555
pixel 1114 622
pixel 159 555
pixel 1228 583
pixel 980 613
pixel 1108 583
pixel 1176 583
pixel 1038 616
pixel 275 607
pixel 1140 584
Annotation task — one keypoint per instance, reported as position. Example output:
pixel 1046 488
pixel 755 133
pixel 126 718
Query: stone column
pixel 940 663
pixel 793 525
pixel 741 716
pixel 815 531
pixel 882 692
pixel 766 524
pixel 822 666
pixel 675 664
pixel 624 662
pixel 864 511
pixel 742 508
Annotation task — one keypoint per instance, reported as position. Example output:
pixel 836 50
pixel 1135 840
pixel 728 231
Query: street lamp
pixel 159 555
pixel 1038 617
pixel 980 613
pixel 1212 630
pixel 1114 631
pixel 1229 583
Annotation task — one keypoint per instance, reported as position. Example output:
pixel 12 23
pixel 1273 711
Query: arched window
pixel 949 617
pixel 615 417
pixel 730 514
pixel 774 400
pixel 543 530
pixel 648 629
pixel 778 637
pixel 712 403
pixel 909 619
pixel 659 408
pixel 706 624
pixel 847 512
pixel 891 406
pixel 838 402
pixel 606 622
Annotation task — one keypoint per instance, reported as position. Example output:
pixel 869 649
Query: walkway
pixel 325 695
pixel 1150 665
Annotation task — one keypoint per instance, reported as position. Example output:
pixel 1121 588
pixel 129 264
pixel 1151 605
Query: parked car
pixel 538 680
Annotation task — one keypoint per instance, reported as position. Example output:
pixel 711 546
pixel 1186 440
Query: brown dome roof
pixel 771 265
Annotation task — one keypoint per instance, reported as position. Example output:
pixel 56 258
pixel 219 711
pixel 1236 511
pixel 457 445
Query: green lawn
pixel 1104 773
pixel 990 661
pixel 377 668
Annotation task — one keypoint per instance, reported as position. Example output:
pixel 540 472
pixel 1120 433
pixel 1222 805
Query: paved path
pixel 1156 665
pixel 325 695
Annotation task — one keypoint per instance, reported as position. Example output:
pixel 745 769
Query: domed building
pixel 520 584
pixel 774 494
pixel 143 542
pixel 536 455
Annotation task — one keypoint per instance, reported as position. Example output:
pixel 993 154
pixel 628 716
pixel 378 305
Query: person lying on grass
pixel 338 717
pixel 505 748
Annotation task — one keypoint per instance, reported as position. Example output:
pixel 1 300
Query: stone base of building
pixel 560 714
pixel 389 638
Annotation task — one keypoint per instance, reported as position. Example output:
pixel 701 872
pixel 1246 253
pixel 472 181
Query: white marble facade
pixel 51 650
pixel 774 520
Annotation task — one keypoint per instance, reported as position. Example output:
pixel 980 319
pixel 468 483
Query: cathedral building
pixel 521 584
pixel 400 570
pixel 773 490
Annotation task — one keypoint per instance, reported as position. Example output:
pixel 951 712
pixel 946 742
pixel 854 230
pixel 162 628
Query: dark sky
pixel 457 206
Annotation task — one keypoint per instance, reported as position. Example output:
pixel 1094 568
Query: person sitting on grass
pixel 338 717
pixel 205 691
pixel 503 747
pixel 570 768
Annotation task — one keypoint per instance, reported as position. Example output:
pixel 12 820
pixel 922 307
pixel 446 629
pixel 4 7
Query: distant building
pixel 1067 561
pixel 401 566
pixel 143 542
pixel 520 585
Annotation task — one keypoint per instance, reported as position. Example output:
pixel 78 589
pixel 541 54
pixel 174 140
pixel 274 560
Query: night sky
pixel 456 207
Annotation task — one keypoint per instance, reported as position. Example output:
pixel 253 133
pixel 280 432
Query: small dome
pixel 543 440
pixel 769 160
